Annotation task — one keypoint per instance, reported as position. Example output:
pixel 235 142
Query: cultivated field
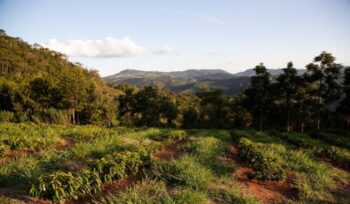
pixel 91 164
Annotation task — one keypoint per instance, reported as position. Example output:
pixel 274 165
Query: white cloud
pixel 211 19
pixel 166 51
pixel 106 48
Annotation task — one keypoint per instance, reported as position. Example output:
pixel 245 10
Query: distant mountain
pixel 189 81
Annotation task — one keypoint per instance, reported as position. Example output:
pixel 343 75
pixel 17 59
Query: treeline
pixel 40 85
pixel 317 99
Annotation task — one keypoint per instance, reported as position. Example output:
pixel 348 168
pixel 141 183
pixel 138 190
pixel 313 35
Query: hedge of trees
pixel 40 85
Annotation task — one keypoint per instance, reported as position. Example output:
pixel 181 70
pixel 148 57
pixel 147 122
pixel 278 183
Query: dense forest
pixel 42 86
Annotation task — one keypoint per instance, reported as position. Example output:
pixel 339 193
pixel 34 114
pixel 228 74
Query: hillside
pixel 38 84
pixel 190 81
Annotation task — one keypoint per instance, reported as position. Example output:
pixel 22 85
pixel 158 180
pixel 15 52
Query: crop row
pixel 266 163
pixel 61 185
pixel 338 155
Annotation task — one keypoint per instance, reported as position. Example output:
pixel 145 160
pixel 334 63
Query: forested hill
pixel 190 81
pixel 40 84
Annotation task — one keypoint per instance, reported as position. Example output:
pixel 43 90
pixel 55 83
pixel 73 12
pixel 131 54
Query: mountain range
pixel 190 81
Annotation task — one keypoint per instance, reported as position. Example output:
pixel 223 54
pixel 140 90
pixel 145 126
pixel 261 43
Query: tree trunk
pixel 348 122
pixel 302 127
pixel 288 117
pixel 261 121
pixel 73 116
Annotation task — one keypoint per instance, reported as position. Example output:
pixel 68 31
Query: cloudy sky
pixel 168 35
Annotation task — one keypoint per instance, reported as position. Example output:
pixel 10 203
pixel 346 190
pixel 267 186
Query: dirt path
pixel 268 192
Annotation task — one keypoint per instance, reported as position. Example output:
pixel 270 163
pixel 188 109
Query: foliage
pixel 184 172
pixel 267 164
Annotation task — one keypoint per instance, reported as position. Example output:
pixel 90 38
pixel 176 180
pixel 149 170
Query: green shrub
pixel 267 164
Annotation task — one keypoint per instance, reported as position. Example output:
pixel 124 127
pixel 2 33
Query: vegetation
pixel 203 169
pixel 66 135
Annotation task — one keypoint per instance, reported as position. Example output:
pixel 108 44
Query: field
pixel 91 164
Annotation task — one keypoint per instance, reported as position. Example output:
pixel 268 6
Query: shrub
pixel 266 163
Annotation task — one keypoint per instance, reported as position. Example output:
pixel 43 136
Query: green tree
pixel 190 118
pixel 258 94
pixel 344 107
pixel 322 75
pixel 287 85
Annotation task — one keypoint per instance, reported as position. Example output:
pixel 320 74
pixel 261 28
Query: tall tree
pixel 287 89
pixel 258 94
pixel 322 74
pixel 344 107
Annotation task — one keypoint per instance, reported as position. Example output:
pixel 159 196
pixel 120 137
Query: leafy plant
pixel 266 163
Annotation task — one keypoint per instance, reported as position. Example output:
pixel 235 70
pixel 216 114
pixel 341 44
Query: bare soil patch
pixel 171 151
pixel 268 191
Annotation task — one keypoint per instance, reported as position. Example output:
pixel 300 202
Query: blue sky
pixel 168 35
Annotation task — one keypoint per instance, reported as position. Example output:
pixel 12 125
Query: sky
pixel 175 35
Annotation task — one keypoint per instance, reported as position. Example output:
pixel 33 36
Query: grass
pixel 201 173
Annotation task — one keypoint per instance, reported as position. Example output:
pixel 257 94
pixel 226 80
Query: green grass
pixel 201 173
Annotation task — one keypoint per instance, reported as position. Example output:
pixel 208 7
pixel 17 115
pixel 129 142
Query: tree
pixel 258 94
pixel 190 118
pixel 287 85
pixel 214 109
pixel 344 107
pixel 322 75
pixel 169 110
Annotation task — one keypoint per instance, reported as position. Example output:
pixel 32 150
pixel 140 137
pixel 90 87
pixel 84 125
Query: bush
pixel 266 163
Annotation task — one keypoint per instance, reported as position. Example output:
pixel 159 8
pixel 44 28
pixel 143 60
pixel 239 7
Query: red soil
pixel 268 192
pixel 170 152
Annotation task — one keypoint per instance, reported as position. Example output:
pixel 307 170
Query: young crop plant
pixel 56 186
pixel 61 185
pixel 266 163
pixel 109 169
